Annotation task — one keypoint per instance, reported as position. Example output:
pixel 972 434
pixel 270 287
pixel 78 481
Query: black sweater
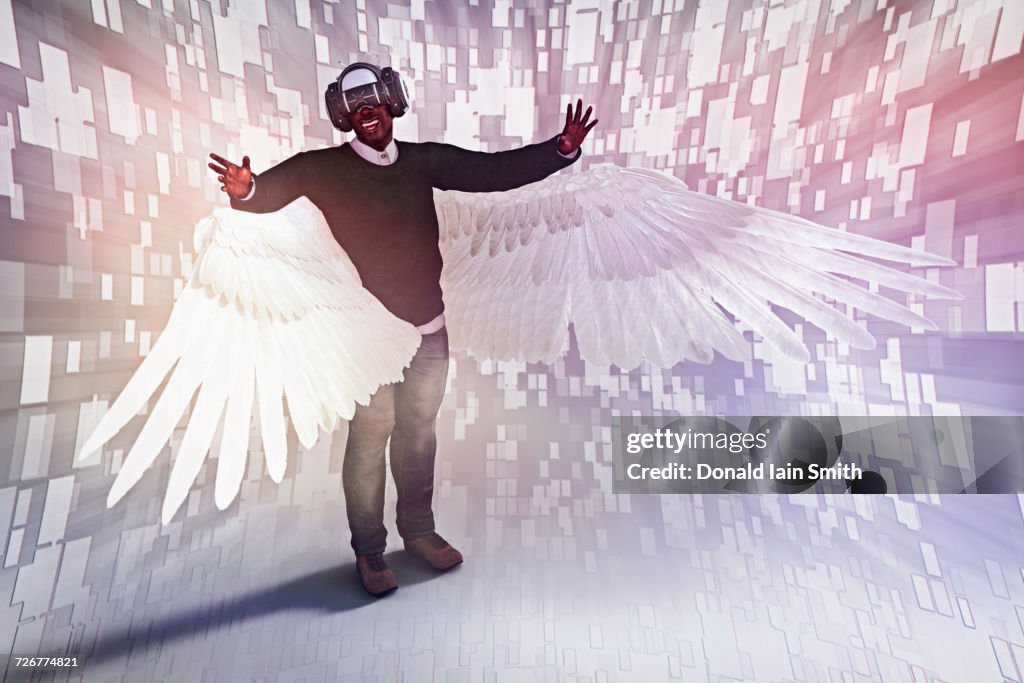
pixel 383 216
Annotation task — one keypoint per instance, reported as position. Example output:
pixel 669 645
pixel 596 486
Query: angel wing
pixel 273 311
pixel 644 268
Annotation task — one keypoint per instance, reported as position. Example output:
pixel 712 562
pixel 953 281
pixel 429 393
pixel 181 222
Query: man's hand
pixel 576 129
pixel 235 180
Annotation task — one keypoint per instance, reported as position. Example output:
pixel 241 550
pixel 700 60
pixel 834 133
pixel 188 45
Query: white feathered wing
pixel 274 311
pixel 645 269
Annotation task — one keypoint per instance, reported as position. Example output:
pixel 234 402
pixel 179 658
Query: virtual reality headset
pixel 363 84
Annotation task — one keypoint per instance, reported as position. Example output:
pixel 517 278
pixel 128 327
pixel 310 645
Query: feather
pixel 176 339
pixel 274 311
pixel 270 387
pixel 647 267
pixel 198 434
pixel 234 443
pixel 185 379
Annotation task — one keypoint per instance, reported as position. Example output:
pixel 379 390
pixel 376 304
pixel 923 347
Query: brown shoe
pixel 435 550
pixel 374 573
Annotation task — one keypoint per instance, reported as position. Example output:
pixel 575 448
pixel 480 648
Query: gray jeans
pixel 405 412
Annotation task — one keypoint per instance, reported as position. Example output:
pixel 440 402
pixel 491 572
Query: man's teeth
pixel 371 124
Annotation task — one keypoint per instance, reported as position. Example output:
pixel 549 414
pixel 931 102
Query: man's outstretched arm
pixel 453 168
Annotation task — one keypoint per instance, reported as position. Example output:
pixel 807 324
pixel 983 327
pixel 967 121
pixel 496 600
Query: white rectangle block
pixel 35 375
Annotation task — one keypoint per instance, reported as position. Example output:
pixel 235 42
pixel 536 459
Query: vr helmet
pixel 365 84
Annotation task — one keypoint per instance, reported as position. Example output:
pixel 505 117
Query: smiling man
pixel 377 196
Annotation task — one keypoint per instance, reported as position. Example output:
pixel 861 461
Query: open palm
pixel 235 180
pixel 576 128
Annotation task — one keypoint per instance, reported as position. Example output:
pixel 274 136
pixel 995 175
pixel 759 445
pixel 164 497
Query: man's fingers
pixel 579 110
pixel 586 117
pixel 568 114
pixel 245 163
pixel 217 169
pixel 221 160
pixel 591 125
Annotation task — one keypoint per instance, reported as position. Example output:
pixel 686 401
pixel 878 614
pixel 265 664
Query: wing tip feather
pixel 92 446
pixel 222 498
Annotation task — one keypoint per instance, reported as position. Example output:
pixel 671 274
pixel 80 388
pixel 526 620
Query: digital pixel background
pixel 896 119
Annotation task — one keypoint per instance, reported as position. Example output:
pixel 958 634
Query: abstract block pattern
pixel 899 120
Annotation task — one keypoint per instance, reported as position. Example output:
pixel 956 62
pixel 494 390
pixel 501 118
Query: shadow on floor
pixel 330 590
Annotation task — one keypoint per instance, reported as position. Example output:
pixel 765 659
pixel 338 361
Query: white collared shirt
pixel 367 153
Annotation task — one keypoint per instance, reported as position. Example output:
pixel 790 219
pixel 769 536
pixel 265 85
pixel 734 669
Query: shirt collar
pixel 385 158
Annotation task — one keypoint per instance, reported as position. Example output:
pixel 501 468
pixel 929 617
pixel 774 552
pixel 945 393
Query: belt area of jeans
pixel 435 325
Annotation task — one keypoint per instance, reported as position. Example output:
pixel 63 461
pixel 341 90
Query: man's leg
pixel 362 477
pixel 413 446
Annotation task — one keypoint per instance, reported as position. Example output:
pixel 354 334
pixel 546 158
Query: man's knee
pixel 376 429
pixel 417 417
pixel 415 435
pixel 373 422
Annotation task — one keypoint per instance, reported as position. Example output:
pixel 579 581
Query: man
pixel 377 197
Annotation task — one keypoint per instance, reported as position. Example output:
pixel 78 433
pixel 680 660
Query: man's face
pixel 372 125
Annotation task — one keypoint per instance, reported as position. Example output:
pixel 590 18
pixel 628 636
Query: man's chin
pixel 373 140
